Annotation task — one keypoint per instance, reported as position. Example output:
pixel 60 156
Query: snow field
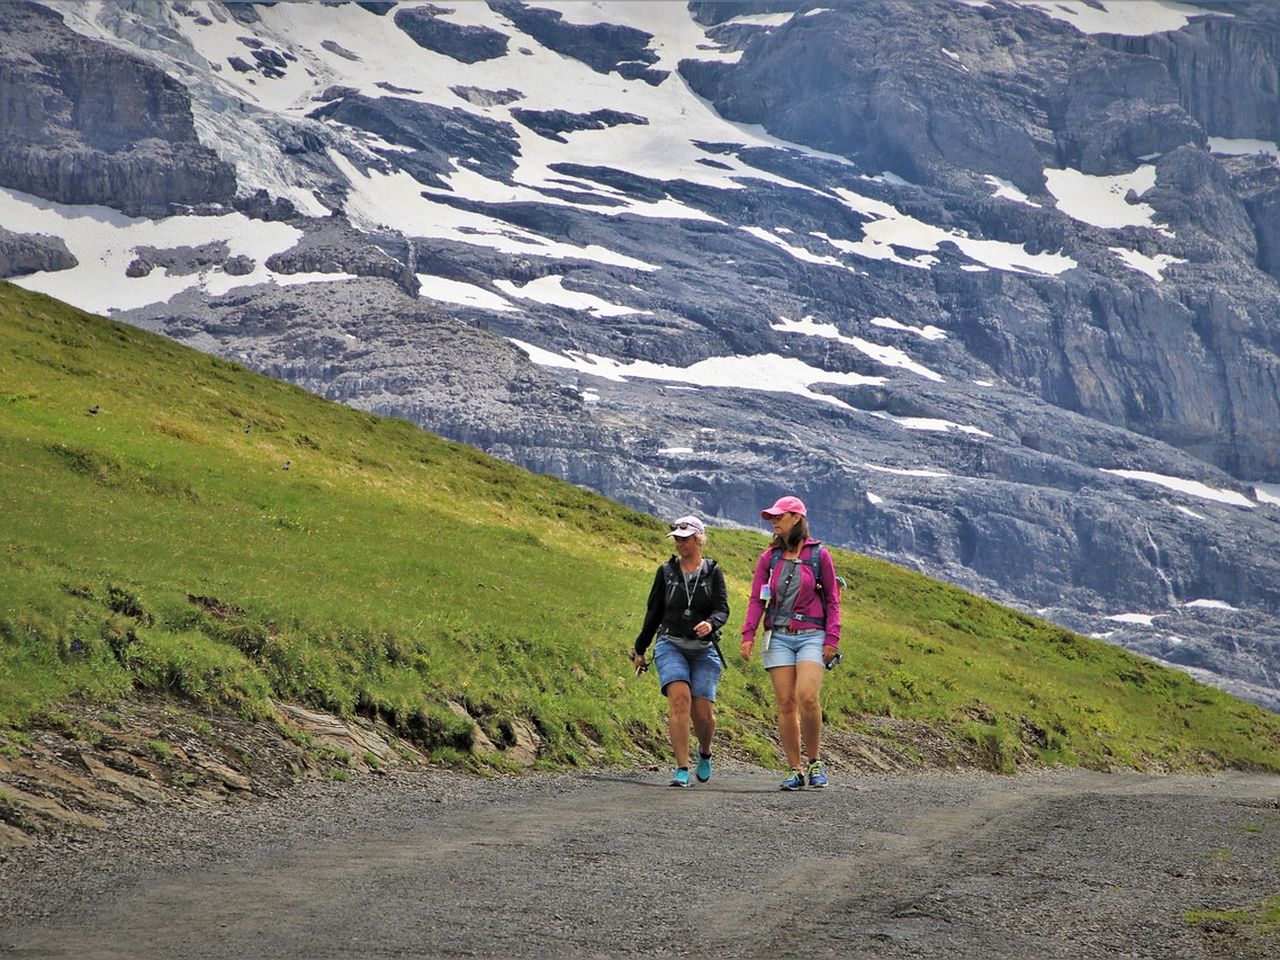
pixel 105 242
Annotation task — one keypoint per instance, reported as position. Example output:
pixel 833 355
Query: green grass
pixel 156 544
pixel 1259 919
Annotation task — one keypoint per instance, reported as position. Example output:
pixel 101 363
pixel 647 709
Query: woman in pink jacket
pixel 796 592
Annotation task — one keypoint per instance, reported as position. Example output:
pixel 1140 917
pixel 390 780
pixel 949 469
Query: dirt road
pixel 1059 864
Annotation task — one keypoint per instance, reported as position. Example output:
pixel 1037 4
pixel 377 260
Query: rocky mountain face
pixel 88 124
pixel 991 284
pixel 21 254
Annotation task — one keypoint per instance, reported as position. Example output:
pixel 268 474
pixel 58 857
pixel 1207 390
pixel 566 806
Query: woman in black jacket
pixel 688 605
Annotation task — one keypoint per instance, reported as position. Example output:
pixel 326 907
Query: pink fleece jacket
pixel 810 603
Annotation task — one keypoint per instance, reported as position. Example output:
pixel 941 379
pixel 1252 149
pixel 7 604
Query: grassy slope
pixel 388 570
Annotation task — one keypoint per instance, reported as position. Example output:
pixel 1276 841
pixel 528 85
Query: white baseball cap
pixel 687 527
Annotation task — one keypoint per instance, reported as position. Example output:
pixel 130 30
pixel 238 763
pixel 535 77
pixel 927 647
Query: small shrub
pixel 127 603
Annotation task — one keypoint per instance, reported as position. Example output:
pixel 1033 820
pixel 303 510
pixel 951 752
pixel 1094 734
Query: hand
pixel 702 629
pixel 828 654
pixel 638 661
pixel 746 647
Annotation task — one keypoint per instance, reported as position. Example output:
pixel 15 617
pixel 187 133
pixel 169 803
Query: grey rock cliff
pixel 464 44
pixel 334 246
pixel 23 253
pixel 82 122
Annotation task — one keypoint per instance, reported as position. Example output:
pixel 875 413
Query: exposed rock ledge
pixel 68 777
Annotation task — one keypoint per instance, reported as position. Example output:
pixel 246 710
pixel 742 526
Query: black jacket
pixel 666 606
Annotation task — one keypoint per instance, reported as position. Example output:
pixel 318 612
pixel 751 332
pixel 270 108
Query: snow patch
pixel 889 356
pixel 1210 604
pixel 463 294
pixel 1006 190
pixel 762 19
pixel 1140 619
pixel 1242 148
pixel 1132 18
pixel 1153 267
pixel 1100 201
pixel 907 472
pixel 931 423
pixel 396 200
pixel 1193 488
pixel 800 253
pixel 550 290
pixel 927 332
pixel 768 373
pixel 889 227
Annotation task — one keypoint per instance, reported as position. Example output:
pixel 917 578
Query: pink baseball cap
pixel 784 505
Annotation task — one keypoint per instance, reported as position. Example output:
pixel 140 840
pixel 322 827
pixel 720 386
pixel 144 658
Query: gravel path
pixel 1067 864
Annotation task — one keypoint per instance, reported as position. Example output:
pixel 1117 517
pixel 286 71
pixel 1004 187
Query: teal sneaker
pixel 703 769
pixel 680 778
pixel 817 776
pixel 793 782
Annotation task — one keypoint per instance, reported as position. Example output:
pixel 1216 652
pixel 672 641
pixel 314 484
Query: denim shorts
pixel 787 649
pixel 698 668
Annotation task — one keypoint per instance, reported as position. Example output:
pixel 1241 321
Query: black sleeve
pixel 653 612
pixel 719 599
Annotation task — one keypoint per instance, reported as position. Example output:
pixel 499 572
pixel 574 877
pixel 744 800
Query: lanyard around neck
pixel 684 579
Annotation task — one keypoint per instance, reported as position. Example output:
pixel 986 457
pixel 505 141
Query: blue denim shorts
pixel 788 649
pixel 698 668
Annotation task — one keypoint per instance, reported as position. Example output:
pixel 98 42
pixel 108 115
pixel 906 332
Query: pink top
pixel 810 603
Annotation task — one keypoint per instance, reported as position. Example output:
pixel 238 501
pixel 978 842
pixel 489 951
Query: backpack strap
pixel 670 576
pixel 814 560
pixel 674 576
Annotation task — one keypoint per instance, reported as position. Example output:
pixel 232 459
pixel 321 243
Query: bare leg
pixel 678 720
pixel 784 692
pixel 808 687
pixel 704 722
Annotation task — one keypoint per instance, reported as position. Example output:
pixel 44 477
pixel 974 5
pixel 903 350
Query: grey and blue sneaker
pixel 793 782
pixel 703 769
pixel 680 778
pixel 817 776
